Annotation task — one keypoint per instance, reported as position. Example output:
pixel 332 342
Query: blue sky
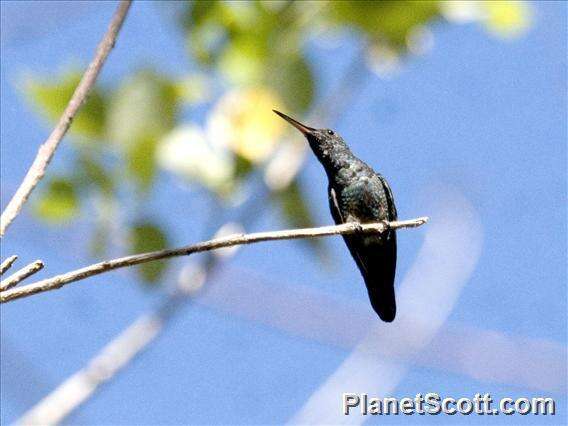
pixel 475 131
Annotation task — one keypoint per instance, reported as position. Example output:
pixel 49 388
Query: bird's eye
pixel 330 132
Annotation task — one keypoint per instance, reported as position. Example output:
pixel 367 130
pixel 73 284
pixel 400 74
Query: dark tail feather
pixel 381 295
pixel 380 278
pixel 377 263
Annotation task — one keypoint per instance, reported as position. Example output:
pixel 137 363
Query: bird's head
pixel 325 143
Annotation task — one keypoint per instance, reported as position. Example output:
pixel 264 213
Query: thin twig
pixel 47 149
pixel 56 406
pixel 7 264
pixel 79 387
pixel 217 243
pixel 21 275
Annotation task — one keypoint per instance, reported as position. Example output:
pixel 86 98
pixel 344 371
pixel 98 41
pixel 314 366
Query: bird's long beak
pixel 301 127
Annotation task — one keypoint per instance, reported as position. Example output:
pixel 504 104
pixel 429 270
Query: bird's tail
pixel 377 263
pixel 380 280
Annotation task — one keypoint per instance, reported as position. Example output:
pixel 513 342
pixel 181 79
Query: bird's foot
pixel 357 228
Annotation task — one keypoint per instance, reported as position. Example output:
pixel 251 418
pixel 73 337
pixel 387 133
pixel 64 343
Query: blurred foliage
pixel 59 202
pixel 296 212
pixel 503 18
pixel 53 96
pixel 144 237
pixel 507 19
pixel 91 174
pixel 250 57
pixel 141 111
pixel 243 122
pixel 187 152
pixel 390 21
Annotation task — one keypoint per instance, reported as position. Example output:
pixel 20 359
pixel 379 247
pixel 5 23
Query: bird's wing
pixel 334 206
pixel 376 262
pixel 393 215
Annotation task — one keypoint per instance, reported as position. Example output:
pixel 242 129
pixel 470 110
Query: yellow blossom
pixel 243 122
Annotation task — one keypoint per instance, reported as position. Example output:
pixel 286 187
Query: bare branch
pixel 81 385
pixel 139 335
pixel 47 149
pixel 214 244
pixel 21 275
pixel 7 264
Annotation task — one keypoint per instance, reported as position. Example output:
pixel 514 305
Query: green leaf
pixel 243 61
pixel 141 161
pixel 297 214
pixel 205 41
pixel 144 237
pixel 243 166
pixel 293 79
pixel 58 203
pixel 195 88
pixel 91 172
pixel 140 113
pixel 241 15
pixel 391 20
pixel 205 30
pixel 52 98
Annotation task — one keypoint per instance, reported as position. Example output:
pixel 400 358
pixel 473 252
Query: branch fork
pixel 217 243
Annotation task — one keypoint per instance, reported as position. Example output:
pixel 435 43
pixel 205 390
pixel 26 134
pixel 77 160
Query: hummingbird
pixel 359 194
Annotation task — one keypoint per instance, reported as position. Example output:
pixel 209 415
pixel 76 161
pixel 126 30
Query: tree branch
pixel 7 264
pixel 214 244
pixel 47 149
pixel 80 386
pixel 21 275
pixel 138 336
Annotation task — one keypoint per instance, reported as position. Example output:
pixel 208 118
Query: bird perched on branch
pixel 358 194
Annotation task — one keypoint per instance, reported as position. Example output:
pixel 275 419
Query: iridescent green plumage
pixel 358 194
